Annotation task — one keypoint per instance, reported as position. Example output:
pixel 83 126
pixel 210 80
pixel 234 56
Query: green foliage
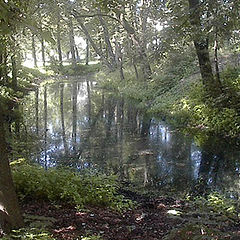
pixel 29 234
pixel 30 74
pixel 71 70
pixel 217 205
pixel 92 237
pixel 206 218
pixel 23 147
pixel 63 184
pixel 195 232
pixel 212 115
pixel 40 222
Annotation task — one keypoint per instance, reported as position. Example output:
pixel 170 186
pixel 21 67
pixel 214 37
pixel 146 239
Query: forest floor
pixel 152 219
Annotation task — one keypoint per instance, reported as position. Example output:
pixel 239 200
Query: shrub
pixel 33 182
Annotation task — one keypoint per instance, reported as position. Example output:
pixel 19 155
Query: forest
pixel 119 119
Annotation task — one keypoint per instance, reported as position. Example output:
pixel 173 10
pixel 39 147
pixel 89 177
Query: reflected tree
pixel 45 126
pixel 62 119
pixel 89 101
pixel 74 116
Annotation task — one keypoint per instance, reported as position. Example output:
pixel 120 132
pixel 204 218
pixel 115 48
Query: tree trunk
pixel 216 58
pixel 77 53
pixel 102 111
pixel 141 49
pixel 14 72
pixel 43 52
pixel 87 51
pixel 10 216
pixel 4 66
pixel 107 41
pixel 146 122
pixel 34 55
pixel 37 110
pixel 201 44
pixel 59 47
pixel 119 59
pixel 72 43
pixel 94 46
pixel 14 87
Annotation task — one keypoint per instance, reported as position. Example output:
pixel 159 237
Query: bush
pixel 71 70
pixel 206 218
pixel 218 116
pixel 33 182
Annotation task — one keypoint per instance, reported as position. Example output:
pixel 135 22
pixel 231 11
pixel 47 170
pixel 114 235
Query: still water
pixel 85 127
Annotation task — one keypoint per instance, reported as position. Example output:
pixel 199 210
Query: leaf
pixel 46 35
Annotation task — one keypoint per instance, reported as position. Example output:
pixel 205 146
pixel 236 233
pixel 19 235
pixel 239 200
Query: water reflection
pixel 85 127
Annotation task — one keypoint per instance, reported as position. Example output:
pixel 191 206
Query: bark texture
pixel 10 216
pixel 201 44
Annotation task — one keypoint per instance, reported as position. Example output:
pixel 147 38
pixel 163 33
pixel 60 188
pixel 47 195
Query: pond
pixel 84 127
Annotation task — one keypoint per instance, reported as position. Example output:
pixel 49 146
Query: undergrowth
pixel 34 182
pixel 188 105
pixel 211 217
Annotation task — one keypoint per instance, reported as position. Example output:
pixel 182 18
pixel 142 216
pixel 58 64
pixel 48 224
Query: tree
pixel 10 216
pixel 11 14
pixel 201 43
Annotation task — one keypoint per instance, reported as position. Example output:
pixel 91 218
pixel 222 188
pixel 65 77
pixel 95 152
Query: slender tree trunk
pixel 216 58
pixel 34 55
pixel 87 51
pixel 1 66
pixel 37 110
pixel 43 52
pixel 136 71
pixel 14 87
pixel 77 53
pixel 140 48
pixel 74 116
pixel 59 47
pixel 14 72
pixel 72 43
pixel 146 121
pixel 4 66
pixel 94 46
pixel 10 216
pixel 45 127
pixel 120 110
pixel 107 41
pixel 119 59
pixel 102 105
pixel 62 119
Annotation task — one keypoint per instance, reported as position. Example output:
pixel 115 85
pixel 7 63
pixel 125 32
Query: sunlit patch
pixel 65 229
pixel 2 208
pixel 81 214
pixel 140 217
pixel 173 212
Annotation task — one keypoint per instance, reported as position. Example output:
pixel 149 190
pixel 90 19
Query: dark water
pixel 84 127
